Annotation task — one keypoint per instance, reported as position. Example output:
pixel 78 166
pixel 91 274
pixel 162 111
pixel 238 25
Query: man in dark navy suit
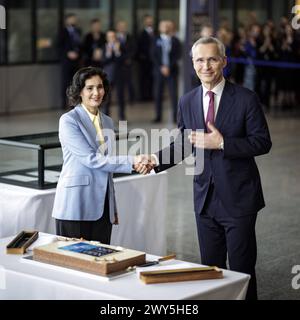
pixel 70 52
pixel 144 47
pixel 93 45
pixel 129 50
pixel 228 192
pixel 113 62
pixel 166 53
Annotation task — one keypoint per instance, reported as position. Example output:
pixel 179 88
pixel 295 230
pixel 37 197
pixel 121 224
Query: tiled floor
pixel 278 234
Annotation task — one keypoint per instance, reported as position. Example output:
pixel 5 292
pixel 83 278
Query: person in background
pixel 166 53
pixel 206 31
pixel 85 204
pixel 144 47
pixel 267 52
pixel 113 61
pixel 173 29
pixel 238 51
pixel 93 44
pixel 287 77
pixel 70 52
pixel 251 49
pixel 226 36
pixel 129 51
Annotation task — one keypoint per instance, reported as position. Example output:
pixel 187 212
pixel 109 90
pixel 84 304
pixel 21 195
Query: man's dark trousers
pixel 160 81
pixel 219 234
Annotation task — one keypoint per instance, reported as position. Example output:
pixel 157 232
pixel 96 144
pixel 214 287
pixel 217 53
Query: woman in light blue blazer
pixel 85 203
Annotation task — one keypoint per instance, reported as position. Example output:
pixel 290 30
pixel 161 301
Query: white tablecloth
pixel 141 201
pixel 19 280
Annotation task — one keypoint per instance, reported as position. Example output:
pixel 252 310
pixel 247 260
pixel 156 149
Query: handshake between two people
pixel 144 163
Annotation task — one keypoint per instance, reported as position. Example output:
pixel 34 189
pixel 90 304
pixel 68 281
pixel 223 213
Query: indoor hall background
pixel 30 82
pixel 278 236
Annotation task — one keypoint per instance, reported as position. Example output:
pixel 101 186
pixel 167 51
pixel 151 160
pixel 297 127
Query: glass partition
pixel 47 29
pixel 19 29
pixel 88 10
pixel 32 161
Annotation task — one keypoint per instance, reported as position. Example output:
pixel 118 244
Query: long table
pixel 141 202
pixel 22 280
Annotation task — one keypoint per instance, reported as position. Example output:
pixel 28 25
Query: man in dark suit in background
pixel 93 45
pixel 129 49
pixel 113 65
pixel 165 54
pixel 228 192
pixel 144 47
pixel 70 50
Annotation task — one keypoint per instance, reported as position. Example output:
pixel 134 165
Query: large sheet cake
pixel 88 256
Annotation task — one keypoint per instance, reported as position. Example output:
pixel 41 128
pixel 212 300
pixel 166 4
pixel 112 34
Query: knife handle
pixel 169 257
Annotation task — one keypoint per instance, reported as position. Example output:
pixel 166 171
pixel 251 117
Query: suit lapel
pixel 197 106
pixel 91 135
pixel 226 106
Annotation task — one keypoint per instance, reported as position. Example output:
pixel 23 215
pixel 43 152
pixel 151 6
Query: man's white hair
pixel 207 40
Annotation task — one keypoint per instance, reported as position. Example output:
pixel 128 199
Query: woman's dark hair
pixel 78 83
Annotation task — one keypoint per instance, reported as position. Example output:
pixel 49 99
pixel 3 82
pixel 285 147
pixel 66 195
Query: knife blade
pixel 152 263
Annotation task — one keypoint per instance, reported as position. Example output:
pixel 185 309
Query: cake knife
pixel 152 263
